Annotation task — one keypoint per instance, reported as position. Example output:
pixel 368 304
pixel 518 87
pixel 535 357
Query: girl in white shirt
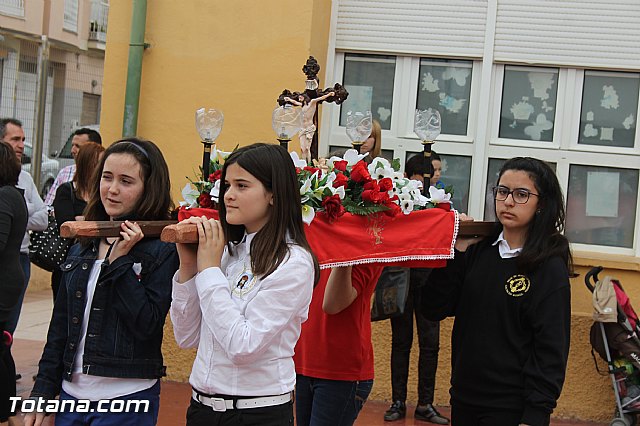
pixel 243 292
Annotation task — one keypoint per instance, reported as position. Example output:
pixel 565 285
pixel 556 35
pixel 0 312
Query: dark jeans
pixel 463 415
pixel 323 402
pixel 56 278
pixel 401 341
pixel 12 323
pixel 94 418
pixel 277 415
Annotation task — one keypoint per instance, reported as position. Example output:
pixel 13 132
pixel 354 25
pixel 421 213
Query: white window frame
pixel 13 8
pixel 575 93
pixel 70 18
pixel 497 106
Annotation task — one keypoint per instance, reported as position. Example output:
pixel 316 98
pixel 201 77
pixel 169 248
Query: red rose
pixel 340 165
pixel 394 210
pixel 386 184
pixel 215 176
pixel 204 201
pixel 372 192
pixel 333 207
pixel 359 172
pixel 311 170
pixel 341 180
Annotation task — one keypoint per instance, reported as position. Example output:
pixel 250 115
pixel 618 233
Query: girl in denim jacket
pixel 105 336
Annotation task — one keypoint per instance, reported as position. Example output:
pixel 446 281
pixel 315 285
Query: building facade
pixel 557 80
pixel 68 38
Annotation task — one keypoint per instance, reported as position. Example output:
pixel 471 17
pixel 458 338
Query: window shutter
pixel 451 28
pixel 587 33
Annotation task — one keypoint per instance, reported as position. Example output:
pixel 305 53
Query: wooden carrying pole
pixel 109 228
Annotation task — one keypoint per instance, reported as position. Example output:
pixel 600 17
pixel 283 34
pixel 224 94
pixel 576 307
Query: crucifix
pixel 309 100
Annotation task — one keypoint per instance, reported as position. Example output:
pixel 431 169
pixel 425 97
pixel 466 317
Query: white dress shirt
pixel 245 328
pixel 506 252
pixel 37 209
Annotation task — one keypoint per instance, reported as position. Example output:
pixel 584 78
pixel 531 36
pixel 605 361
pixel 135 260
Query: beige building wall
pixel 30 23
pixel 235 57
pixel 238 57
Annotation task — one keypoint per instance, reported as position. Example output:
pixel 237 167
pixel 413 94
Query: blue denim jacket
pixel 124 333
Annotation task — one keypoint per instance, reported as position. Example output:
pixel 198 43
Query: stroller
pixel 614 336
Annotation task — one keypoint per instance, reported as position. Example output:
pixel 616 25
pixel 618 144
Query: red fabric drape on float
pixel 424 238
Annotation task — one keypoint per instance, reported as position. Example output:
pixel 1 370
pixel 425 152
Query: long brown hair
pixel 86 165
pixel 9 165
pixel 376 132
pixel 273 167
pixel 156 203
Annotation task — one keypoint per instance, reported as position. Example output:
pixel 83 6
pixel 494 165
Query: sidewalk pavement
pixel 31 334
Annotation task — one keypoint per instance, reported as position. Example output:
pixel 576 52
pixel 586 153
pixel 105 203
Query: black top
pixel 13 225
pixel 510 340
pixel 67 205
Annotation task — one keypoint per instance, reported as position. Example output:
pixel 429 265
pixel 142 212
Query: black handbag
pixel 391 293
pixel 47 249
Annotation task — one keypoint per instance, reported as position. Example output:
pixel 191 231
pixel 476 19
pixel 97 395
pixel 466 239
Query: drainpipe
pixel 39 116
pixel 134 69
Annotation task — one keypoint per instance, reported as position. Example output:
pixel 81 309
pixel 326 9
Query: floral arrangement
pixel 341 185
pixel 205 194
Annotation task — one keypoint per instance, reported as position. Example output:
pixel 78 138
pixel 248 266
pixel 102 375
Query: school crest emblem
pixel 517 285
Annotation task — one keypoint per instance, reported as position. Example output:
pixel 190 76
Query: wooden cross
pixel 312 91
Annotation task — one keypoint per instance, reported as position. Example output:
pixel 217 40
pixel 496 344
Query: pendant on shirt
pixel 243 282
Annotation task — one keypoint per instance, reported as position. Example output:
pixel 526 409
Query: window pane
pixel 369 81
pixel 528 103
pixel 495 164
pixel 456 171
pixel 609 109
pixel 601 205
pixel 446 86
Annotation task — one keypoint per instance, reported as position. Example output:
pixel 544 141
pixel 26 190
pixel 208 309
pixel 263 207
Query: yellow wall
pixel 238 57
pixel 234 56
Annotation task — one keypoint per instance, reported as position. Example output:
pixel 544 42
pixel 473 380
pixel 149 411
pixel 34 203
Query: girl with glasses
pixel 510 296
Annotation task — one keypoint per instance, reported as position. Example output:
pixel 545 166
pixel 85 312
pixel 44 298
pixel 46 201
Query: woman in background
pixel 13 224
pixel 71 197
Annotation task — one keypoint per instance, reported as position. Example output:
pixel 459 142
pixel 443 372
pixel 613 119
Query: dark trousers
pixel 323 402
pixel 401 341
pixel 277 415
pixel 12 323
pixel 463 415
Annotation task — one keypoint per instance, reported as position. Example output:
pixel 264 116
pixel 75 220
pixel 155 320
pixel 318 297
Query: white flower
pixel 352 157
pixel 215 191
pixel 297 162
pixel 221 155
pixel 381 172
pixel 308 213
pixel 380 162
pixel 330 178
pixel 406 206
pixel 340 191
pixel 438 196
pixel 306 186
pixel 190 195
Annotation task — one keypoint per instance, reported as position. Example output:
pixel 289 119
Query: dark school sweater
pixel 510 340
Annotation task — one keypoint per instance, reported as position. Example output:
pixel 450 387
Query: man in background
pixel 80 137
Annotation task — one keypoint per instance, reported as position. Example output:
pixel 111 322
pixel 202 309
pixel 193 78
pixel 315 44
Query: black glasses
pixel 519 195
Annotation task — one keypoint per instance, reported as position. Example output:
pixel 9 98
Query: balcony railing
pixel 12 7
pixel 98 23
